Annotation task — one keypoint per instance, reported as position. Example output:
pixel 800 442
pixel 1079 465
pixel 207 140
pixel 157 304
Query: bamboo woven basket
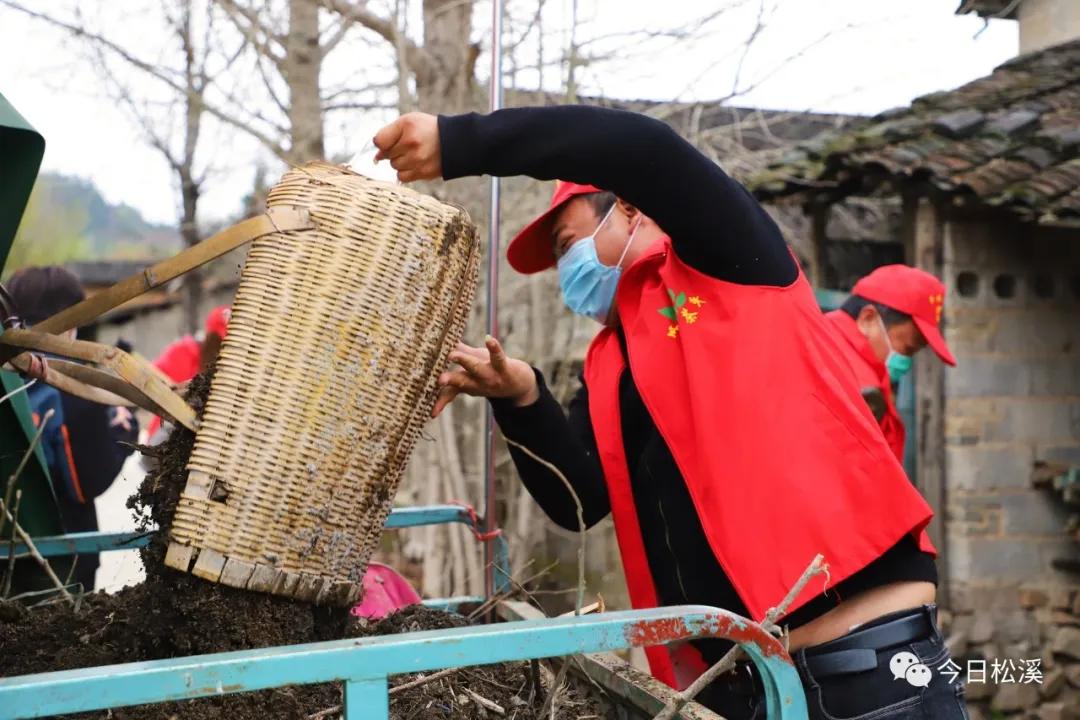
pixel 325 378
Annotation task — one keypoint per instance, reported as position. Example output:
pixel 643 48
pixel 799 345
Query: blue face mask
pixel 588 285
pixel 898 365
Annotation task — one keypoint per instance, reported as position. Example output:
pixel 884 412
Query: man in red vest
pixel 892 313
pixel 718 422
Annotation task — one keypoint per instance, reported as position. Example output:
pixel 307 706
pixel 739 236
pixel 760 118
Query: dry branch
pixel 32 549
pixel 550 702
pixel 816 567
pixel 9 572
pixel 26 456
pixel 16 391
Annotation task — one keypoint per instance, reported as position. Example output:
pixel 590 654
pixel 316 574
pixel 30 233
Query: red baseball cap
pixel 217 321
pixel 532 249
pixel 914 292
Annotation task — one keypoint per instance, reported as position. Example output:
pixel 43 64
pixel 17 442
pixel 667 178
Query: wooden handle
pixel 277 219
pixel 134 379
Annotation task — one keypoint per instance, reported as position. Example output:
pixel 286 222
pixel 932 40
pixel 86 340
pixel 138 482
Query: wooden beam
pixel 926 226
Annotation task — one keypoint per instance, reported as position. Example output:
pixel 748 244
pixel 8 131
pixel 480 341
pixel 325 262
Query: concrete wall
pixel 1014 399
pixel 1047 22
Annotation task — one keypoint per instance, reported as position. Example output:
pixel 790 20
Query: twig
pixel 324 713
pixel 422 681
pixel 401 688
pixel 26 456
pixel 534 679
pixel 580 517
pixel 9 572
pixel 71 574
pixel 36 555
pixel 725 663
pixel 16 391
pixel 484 702
pixel 549 703
pixel 517 587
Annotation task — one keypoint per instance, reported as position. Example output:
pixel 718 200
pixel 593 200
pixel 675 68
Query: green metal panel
pixel 38 510
pixel 21 149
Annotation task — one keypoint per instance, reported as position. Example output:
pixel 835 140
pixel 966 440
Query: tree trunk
pixel 446 83
pixel 301 68
pixel 189 232
pixel 189 185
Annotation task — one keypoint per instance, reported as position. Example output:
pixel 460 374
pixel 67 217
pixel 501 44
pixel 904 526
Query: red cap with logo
pixel 914 292
pixel 532 250
pixel 217 321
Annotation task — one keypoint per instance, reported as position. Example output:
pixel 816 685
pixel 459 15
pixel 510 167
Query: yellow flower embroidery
pixel 676 312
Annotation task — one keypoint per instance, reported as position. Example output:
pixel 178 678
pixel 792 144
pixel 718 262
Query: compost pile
pixel 173 614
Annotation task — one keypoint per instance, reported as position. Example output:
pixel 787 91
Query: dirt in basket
pixel 173 614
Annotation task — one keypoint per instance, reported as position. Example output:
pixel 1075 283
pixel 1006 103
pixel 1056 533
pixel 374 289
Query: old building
pixel 988 176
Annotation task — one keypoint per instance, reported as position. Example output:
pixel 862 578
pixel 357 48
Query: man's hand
pixel 411 144
pixel 486 372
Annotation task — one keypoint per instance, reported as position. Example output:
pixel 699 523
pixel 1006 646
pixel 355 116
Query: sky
pixel 850 56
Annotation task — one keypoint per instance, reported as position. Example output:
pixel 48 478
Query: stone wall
pixel 1013 320
pixel 1047 22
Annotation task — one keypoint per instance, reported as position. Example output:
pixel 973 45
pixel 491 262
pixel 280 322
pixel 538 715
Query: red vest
pixel 870 371
pixel 782 458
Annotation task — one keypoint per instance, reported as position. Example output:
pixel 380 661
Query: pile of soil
pixel 175 614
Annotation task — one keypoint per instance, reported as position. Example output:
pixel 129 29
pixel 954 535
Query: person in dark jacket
pixel 82 439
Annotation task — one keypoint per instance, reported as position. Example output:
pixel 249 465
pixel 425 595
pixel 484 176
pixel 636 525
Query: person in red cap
pixel 718 422
pixel 892 313
pixel 185 358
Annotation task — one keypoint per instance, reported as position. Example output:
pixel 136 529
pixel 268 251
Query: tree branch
pixel 250 25
pixel 159 73
pixel 356 12
pixel 816 567
pixel 358 105
pixel 32 549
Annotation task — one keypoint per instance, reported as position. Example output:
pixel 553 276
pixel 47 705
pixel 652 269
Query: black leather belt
pixel 857 651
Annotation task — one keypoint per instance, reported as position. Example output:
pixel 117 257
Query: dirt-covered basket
pixel 325 378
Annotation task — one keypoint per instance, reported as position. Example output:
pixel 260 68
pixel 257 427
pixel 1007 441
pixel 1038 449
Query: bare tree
pixel 299 63
pixel 171 121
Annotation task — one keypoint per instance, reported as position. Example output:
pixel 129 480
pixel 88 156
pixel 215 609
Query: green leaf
pixel 669 313
pixel 671 294
pixel 681 300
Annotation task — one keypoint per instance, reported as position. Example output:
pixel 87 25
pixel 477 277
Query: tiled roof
pixel 1011 140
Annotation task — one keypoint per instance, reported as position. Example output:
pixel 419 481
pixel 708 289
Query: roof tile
pixel 1010 139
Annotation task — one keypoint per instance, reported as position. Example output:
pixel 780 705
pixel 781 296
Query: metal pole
pixel 492 303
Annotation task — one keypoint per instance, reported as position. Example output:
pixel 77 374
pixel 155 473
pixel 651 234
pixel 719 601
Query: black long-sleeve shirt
pixel 717 228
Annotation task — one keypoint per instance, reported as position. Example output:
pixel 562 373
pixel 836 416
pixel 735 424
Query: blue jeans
pixel 885 692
